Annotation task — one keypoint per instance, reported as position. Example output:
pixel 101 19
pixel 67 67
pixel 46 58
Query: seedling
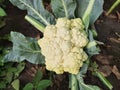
pixel 38 83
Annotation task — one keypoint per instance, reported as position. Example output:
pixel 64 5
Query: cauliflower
pixel 62 46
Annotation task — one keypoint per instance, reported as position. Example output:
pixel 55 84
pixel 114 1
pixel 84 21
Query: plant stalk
pixel 112 7
pixel 104 80
pixel 74 84
pixel 35 23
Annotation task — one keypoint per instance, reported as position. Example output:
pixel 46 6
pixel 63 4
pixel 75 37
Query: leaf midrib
pixel 65 8
pixel 38 14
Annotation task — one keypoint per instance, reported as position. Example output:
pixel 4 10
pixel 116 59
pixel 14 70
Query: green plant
pixel 38 83
pixel 9 72
pixel 3 52
pixel 96 72
pixel 24 48
pixel 117 2
pixel 2 14
pixel 4 49
pixel 38 16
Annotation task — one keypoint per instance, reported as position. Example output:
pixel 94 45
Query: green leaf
pixel 2 12
pixel 20 67
pixel 2 84
pixel 84 86
pixel 35 9
pixel 91 47
pixel 44 84
pixel 3 52
pixel 28 86
pixel 37 78
pixel 63 8
pixel 24 49
pixel 103 79
pixel 16 84
pixel 88 87
pixel 87 13
pixel 96 10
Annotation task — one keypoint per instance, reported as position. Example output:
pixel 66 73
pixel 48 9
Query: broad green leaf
pixel 96 10
pixel 13 57
pixel 64 8
pixel 2 12
pixel 44 84
pixel 35 9
pixel 86 15
pixel 37 78
pixel 28 86
pixel 16 84
pixel 24 49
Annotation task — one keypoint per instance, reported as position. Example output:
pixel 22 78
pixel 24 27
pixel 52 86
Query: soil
pixel 108 29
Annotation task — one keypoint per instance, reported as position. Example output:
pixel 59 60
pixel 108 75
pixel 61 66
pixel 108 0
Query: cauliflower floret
pixel 79 37
pixel 65 46
pixel 63 33
pixel 77 23
pixel 74 60
pixel 62 46
pixel 50 31
pixel 63 22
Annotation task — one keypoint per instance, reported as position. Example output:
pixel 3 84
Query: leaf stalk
pixel 113 7
pixel 35 23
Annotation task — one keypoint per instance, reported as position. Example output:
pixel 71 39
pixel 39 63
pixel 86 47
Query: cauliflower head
pixel 62 46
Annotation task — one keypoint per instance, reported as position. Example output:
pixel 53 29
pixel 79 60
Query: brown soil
pixel 108 28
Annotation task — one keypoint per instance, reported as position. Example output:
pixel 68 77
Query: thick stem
pixel 74 83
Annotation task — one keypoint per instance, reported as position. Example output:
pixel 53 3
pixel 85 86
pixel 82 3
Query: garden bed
pixel 108 29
